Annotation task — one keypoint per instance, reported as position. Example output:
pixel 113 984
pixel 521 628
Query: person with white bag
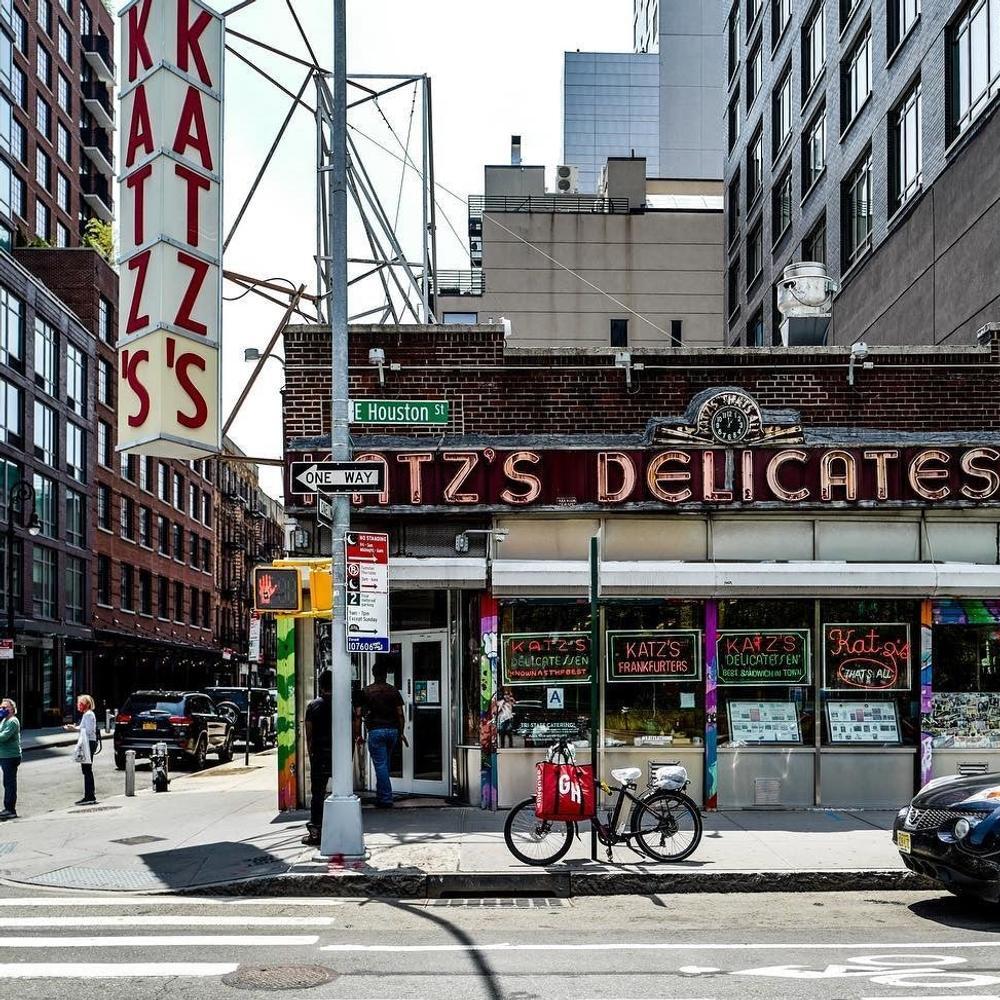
pixel 86 746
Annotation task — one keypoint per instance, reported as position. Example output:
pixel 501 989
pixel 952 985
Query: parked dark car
pixel 232 703
pixel 951 833
pixel 185 720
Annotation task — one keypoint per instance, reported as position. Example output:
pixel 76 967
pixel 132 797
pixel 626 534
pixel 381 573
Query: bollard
pixel 108 716
pixel 130 772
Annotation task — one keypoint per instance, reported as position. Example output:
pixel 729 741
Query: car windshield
pixel 151 703
pixel 237 696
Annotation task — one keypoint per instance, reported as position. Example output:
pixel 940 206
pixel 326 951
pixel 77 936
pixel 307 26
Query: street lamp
pixel 253 354
pixel 17 497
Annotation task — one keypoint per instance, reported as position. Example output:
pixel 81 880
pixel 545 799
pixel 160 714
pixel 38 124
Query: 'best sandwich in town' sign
pixel 170 197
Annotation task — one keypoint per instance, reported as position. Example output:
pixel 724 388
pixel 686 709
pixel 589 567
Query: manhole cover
pixel 279 977
pixel 133 841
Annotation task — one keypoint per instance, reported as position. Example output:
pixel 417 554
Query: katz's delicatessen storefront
pixel 802 617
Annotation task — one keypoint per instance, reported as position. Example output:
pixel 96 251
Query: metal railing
pixel 99 46
pixel 97 138
pixel 576 204
pixel 98 93
pixel 461 282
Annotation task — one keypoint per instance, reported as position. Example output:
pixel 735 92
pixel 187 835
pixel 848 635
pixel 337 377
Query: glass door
pixel 417 666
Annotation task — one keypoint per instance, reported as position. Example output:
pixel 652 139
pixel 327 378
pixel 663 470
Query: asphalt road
pixel 885 946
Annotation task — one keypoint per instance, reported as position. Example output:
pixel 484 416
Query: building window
pixel 814 245
pixel 62 142
pixel 45 356
pixel 20 26
pixel 676 333
pixel 63 94
pixel 18 197
pixel 19 142
pixel 163 533
pixel 206 609
pixel 194 501
pixel 178 535
pixel 903 15
pixel 905 140
pixel 733 287
pixel 45 433
pixel 178 601
pixel 145 592
pixel 11 414
pixel 164 482
pixel 45 504
pixel 858 212
pixel 76 453
pixel 847 9
pixel 755 168
pixel 206 509
pixel 43 62
pixel 65 46
pixel 733 208
pixel 195 550
pixel 619 333
pixel 781 15
pixel 733 38
pixel 178 491
pixel 163 598
pixel 75 574
pixel 76 524
pixel 781 206
pixel 195 606
pixel 755 254
pixel 19 87
pixel 754 7
pixel 974 62
pixel 62 235
pixel 76 380
pixel 104 581
pixel 755 74
pixel 128 587
pixel 43 581
pixel 781 113
pixel 105 382
pixel 814 150
pixel 86 22
pixel 755 330
pixel 145 526
pixel 813 49
pixel 62 192
pixel 128 518
pixel 857 78
pixel 206 550
pixel 104 506
pixel 43 119
pixel 42 225
pixel 733 119
pixel 11 329
pixel 104 447
pixel 128 467
pixel 105 321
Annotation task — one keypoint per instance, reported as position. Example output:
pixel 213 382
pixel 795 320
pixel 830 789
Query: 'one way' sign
pixel 338 477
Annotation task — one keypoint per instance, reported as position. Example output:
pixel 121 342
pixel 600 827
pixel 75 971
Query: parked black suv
pixel 231 702
pixel 186 721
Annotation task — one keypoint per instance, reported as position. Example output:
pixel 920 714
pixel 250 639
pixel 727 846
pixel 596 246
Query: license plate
pixel 903 842
pixel 149 725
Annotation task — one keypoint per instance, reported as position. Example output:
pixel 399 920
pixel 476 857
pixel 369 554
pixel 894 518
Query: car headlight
pixel 962 828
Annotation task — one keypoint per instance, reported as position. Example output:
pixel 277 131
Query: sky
pixel 496 70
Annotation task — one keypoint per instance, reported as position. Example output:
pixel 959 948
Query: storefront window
pixel 765 673
pixel 869 662
pixel 966 702
pixel 544 664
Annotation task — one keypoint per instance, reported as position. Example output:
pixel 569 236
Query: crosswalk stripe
pixel 114 970
pixel 164 941
pixel 130 901
pixel 165 920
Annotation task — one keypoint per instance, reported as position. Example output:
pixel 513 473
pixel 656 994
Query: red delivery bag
pixel 564 792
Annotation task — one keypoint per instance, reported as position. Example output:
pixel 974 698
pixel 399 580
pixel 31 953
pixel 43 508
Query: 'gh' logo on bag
pixel 571 788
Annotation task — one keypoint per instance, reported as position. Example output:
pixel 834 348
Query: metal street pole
pixel 342 834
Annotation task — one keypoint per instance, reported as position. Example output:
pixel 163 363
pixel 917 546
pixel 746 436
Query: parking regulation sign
pixel 367 589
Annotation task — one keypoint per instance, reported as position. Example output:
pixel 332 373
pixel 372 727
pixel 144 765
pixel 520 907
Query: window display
pixel 862 722
pixel 764 722
pixel 965 708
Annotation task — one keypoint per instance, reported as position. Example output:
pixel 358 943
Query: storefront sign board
pixel 866 657
pixel 764 722
pixel 658 655
pixel 253 652
pixel 764 657
pixel 367 587
pixel 863 722
pixel 545 657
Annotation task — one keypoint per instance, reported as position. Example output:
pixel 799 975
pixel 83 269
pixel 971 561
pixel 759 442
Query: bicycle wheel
pixel 667 826
pixel 535 841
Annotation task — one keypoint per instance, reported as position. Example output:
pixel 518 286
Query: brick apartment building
pixel 56 119
pixel 742 500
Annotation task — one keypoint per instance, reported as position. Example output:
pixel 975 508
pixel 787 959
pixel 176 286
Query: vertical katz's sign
pixel 170 198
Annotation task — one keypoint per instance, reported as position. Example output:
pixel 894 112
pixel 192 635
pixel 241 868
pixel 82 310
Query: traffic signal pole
pixel 342 836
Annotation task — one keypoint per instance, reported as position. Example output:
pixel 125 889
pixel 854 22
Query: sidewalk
pixel 219 829
pixel 50 737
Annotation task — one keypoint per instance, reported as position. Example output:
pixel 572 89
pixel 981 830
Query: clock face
pixel 729 425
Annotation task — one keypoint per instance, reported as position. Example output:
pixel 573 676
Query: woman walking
pixel 86 746
pixel 10 756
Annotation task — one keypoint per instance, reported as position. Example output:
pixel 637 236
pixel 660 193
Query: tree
pixel 98 236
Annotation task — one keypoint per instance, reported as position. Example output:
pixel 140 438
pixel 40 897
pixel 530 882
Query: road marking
pixel 644 946
pixel 123 901
pixel 115 970
pixel 168 920
pixel 164 941
pixel 941 996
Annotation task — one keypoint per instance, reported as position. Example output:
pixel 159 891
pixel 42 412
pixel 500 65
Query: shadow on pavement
pixel 203 864
pixel 966 914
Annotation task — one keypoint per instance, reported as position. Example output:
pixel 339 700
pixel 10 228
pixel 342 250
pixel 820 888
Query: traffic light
pixel 277 590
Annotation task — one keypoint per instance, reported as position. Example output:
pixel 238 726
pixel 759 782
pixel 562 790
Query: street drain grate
pixel 279 977
pixel 501 902
pixel 93 809
pixel 135 841
pixel 101 878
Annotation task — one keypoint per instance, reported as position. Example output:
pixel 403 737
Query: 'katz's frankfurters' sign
pixel 639 478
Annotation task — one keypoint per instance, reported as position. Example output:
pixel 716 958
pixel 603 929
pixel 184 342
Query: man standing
pixel 381 707
pixel 319 723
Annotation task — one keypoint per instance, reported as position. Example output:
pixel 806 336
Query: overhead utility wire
pixel 409 136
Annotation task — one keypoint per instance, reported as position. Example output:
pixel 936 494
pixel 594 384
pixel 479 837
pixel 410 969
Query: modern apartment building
pixel 56 118
pixel 863 134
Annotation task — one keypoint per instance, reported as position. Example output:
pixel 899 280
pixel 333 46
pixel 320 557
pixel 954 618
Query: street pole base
pixel 343 834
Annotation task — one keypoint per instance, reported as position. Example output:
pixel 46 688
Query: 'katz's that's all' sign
pixel 170 198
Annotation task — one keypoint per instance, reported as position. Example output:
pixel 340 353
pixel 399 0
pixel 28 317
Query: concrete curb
pixel 410 884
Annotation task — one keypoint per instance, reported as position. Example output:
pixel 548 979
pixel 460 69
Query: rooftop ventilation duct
pixel 805 301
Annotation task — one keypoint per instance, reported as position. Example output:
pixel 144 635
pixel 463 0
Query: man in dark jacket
pixel 319 736
pixel 381 707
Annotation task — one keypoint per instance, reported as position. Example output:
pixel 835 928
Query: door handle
pixel 409 711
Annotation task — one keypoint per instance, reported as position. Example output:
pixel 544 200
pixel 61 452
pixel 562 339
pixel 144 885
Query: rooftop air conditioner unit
pixel 567 179
pixel 805 301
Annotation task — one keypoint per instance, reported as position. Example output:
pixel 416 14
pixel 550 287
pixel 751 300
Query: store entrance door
pixel 417 664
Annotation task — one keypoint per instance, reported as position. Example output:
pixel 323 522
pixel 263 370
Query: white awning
pixel 437 573
pixel 571 578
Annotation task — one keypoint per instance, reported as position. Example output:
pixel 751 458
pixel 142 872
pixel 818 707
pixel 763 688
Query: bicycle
pixel 663 821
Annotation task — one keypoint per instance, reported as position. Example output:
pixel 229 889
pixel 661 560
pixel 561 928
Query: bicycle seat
pixel 626 775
